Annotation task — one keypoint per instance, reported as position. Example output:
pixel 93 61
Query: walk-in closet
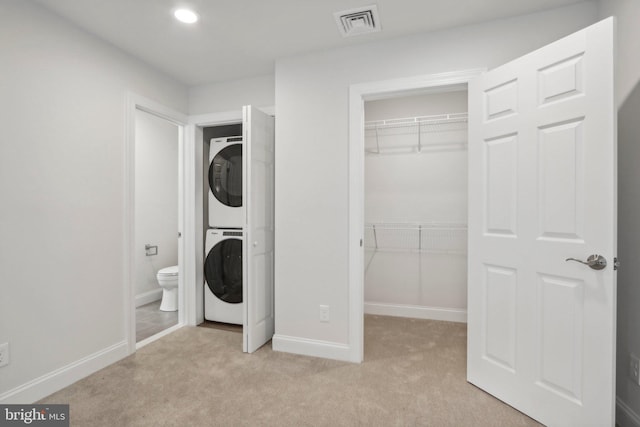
pixel 416 205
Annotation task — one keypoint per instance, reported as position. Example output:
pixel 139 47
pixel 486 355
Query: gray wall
pixel 62 115
pixel 232 95
pixel 311 265
pixel 627 13
pixel 156 205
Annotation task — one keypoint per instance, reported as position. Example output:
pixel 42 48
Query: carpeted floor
pixel 413 375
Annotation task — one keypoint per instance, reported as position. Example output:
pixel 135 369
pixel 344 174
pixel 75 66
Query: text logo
pixel 34 415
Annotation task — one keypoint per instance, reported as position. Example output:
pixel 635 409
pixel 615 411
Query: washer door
pixel 223 270
pixel 225 176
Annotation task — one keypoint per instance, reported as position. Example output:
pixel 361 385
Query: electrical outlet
pixel 4 354
pixel 324 313
pixel 634 368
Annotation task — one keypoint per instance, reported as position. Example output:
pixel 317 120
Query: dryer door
pixel 225 176
pixel 223 270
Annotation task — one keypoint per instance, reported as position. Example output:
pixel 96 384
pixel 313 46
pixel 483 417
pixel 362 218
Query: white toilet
pixel 168 281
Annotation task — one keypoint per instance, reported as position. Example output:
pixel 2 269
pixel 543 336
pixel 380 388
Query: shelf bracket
pixel 375 236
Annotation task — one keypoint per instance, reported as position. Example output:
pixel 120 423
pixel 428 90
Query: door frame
pixel 195 199
pixel 133 103
pixel 358 94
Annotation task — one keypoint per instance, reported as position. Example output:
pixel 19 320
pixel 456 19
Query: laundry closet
pixel 415 200
pixel 223 213
pixel 238 219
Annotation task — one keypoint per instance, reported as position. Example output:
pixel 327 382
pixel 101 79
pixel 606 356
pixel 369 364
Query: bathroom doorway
pixel 154 221
pixel 156 224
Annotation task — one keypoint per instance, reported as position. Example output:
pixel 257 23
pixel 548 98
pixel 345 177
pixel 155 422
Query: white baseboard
pixel 47 384
pixel 625 416
pixel 148 297
pixel 309 347
pixel 157 336
pixel 417 312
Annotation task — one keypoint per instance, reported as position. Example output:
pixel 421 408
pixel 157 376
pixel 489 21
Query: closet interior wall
pixel 416 205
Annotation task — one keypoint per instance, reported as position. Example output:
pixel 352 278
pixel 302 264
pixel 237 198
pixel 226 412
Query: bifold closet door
pixel 542 188
pixel 258 154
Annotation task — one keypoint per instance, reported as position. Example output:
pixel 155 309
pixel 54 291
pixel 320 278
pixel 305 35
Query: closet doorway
pixel 415 205
pixel 542 175
pixel 408 237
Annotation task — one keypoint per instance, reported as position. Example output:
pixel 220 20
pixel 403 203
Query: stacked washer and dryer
pixel 238 205
pixel 223 241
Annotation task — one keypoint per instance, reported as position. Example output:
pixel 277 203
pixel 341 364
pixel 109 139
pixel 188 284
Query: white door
pixel 542 188
pixel 257 289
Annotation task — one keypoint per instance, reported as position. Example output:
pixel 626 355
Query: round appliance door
pixel 223 270
pixel 225 176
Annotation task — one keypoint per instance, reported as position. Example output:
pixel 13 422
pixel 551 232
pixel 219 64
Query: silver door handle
pixel 597 262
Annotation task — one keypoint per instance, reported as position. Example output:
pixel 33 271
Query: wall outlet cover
pixel 324 313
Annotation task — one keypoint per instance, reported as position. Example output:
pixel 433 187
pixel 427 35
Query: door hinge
pixel 360 242
pixel 616 263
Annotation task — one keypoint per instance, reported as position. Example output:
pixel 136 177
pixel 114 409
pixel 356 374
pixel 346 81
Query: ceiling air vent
pixel 361 20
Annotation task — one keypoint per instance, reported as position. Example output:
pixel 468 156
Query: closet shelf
pixel 428 123
pixel 416 237
pixel 415 134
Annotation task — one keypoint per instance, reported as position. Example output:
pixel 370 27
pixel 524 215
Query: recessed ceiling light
pixel 185 15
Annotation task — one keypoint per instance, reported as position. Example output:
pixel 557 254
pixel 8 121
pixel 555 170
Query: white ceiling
pixel 242 38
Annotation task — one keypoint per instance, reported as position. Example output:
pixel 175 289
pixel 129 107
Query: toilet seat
pixel 169 271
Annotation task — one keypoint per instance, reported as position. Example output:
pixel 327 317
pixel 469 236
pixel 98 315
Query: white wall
pixel 311 265
pixel 426 187
pixel 427 104
pixel 62 112
pixel 410 188
pixel 232 95
pixel 627 13
pixel 156 193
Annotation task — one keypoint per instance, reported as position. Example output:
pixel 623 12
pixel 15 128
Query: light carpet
pixel 413 375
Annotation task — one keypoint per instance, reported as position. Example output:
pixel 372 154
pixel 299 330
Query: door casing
pixel 137 102
pixel 358 94
pixel 194 198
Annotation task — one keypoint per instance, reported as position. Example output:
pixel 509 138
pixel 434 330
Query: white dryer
pixel 223 276
pixel 225 182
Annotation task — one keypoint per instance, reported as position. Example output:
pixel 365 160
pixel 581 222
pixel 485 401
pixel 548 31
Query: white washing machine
pixel 225 182
pixel 223 276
